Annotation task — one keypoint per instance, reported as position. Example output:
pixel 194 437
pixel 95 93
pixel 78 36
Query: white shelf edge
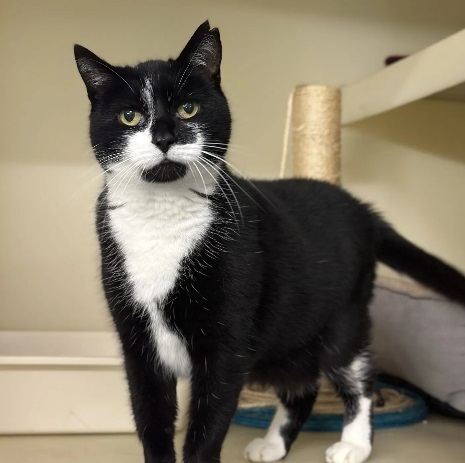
pixel 421 75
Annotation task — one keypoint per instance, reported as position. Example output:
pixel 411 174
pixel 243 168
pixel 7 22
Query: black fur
pixel 276 292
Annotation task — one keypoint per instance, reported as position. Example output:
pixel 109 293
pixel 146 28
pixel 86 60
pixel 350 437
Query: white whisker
pixel 242 176
pixel 127 183
pixel 203 181
pixel 219 170
pixel 222 190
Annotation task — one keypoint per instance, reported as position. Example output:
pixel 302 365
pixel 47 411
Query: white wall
pixel 410 162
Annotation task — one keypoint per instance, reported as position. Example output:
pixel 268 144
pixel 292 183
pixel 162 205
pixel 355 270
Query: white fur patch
pixel 271 447
pixel 142 153
pixel 355 445
pixel 358 431
pixel 157 225
pixel 358 371
pixel 346 452
pixel 156 231
pixel 145 155
pixel 148 97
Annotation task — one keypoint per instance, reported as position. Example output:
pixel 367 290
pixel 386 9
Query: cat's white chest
pixel 156 231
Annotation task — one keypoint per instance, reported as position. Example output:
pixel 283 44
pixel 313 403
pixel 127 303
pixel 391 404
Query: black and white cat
pixel 224 281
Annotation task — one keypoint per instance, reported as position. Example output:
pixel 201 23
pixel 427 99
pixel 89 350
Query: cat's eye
pixel 188 109
pixel 130 117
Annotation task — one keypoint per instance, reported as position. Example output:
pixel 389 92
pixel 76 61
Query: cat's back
pixel 303 223
pixel 311 203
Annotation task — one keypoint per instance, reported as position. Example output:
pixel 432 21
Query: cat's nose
pixel 163 140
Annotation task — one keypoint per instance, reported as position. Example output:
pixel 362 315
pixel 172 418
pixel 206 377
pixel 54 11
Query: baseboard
pixel 62 382
pixel 67 382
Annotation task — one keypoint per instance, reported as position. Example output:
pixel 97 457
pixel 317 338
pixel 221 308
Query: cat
pixel 225 281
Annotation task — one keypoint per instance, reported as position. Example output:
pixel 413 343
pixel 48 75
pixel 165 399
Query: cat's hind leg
pixel 291 414
pixel 354 383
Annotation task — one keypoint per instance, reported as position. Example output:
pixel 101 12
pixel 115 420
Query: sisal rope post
pixel 316 132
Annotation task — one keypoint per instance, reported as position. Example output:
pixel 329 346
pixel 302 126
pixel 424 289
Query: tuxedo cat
pixel 224 281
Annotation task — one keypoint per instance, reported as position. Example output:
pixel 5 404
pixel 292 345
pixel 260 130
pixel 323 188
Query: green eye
pixel 188 110
pixel 130 117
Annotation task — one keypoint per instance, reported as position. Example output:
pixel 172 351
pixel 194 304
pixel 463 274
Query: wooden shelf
pixel 437 71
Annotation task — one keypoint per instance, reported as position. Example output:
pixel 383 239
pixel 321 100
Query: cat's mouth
pixel 166 171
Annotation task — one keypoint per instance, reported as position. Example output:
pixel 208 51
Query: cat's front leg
pixel 216 384
pixel 153 399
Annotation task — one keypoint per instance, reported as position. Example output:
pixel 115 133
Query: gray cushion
pixel 420 337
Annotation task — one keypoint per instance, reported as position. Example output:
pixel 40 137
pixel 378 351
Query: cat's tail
pixel 400 254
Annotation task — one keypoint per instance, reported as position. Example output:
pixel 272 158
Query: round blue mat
pixel 414 413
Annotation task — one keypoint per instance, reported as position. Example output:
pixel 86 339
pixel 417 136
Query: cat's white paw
pixel 265 450
pixel 345 452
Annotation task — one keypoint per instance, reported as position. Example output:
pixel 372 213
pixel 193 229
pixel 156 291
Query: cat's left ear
pixel 203 51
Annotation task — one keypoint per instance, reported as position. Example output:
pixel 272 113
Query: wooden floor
pixel 439 440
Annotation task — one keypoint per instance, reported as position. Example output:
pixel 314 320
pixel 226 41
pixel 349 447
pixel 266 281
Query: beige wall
pixel 411 162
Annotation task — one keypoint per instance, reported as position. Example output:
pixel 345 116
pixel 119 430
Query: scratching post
pixel 316 132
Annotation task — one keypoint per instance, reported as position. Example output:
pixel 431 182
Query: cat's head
pixel 159 119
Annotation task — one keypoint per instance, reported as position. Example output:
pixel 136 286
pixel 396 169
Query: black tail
pixel 402 255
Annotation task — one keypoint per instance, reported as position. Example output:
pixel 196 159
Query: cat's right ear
pixel 95 72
